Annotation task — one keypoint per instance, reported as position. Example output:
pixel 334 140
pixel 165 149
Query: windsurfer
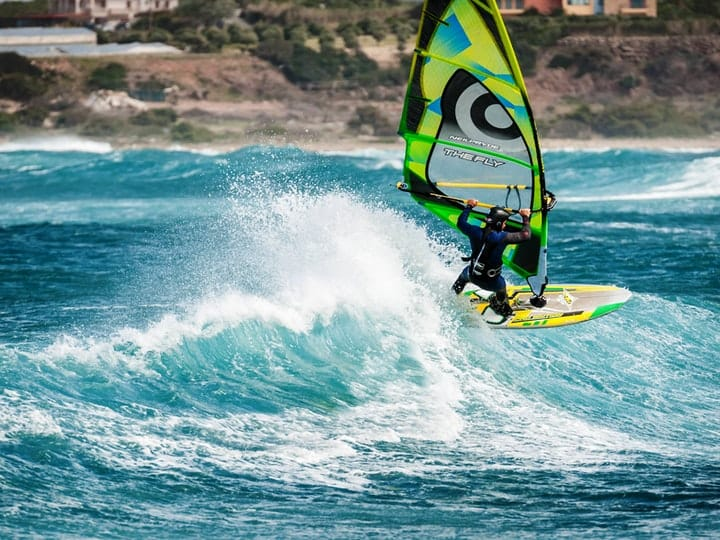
pixel 487 244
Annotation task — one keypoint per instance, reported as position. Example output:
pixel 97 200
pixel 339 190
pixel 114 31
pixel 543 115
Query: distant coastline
pixel 54 141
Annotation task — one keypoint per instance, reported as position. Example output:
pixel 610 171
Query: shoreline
pixel 68 141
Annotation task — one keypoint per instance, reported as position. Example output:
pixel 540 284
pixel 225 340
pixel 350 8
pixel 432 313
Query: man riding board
pixel 487 244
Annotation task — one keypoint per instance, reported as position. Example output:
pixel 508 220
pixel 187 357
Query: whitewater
pixel 263 344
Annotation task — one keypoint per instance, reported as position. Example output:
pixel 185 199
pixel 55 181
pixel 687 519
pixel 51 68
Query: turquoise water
pixel 263 344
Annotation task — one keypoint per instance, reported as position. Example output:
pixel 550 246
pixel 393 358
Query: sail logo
pixel 482 144
pixel 566 298
pixel 475 158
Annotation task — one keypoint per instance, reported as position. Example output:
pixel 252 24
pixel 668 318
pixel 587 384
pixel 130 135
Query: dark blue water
pixel 262 344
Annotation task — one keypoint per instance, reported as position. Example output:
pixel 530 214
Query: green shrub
pixel 349 33
pixel 612 126
pixel 21 86
pixel 32 116
pixel 403 29
pixel 639 119
pixel 535 31
pixel 191 39
pixel 374 119
pixel 152 85
pixel 358 67
pixel 527 58
pixel 297 32
pixel 155 117
pixel 376 28
pixel 7 122
pixel 327 41
pixel 159 35
pixel 644 26
pixel 189 133
pixel 591 60
pixel 131 37
pixel 71 117
pixel 308 66
pixel 101 126
pixel 315 29
pixel 560 61
pixel 150 90
pixel 302 65
pixel 270 32
pixel 208 12
pixel 108 77
pixel 268 130
pixel 276 51
pixel 11 62
pixel 245 37
pixel 216 37
pixel 628 82
pixel 103 37
pixel 582 114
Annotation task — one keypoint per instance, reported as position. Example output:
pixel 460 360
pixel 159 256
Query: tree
pixel 209 12
pixel 110 77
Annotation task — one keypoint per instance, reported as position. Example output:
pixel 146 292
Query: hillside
pixel 580 87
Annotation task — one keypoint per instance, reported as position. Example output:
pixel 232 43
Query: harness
pixel 478 263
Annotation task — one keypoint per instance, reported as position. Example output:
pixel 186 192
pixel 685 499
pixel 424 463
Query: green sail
pixel 469 129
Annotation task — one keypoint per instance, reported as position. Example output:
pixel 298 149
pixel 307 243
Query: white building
pixel 108 10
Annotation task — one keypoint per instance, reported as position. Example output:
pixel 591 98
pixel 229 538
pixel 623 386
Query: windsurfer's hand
pixel 524 212
pixel 472 203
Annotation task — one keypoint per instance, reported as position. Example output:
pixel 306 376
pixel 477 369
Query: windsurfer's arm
pixel 462 222
pixel 524 234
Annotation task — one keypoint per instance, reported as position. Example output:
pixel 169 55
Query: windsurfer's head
pixel 497 217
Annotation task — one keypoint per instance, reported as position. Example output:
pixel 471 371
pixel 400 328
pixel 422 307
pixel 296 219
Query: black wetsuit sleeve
pixel 462 222
pixel 521 236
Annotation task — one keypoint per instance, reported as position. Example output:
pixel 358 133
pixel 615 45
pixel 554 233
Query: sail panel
pixel 468 126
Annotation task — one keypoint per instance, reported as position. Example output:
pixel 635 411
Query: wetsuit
pixel 485 265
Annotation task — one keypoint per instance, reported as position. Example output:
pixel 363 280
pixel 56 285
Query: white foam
pixel 20 415
pixel 203 151
pixel 56 144
pixel 326 255
pixel 370 264
pixel 371 158
pixel 700 180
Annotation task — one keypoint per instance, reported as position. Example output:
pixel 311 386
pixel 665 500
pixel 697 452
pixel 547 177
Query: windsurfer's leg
pixel 499 300
pixel 461 281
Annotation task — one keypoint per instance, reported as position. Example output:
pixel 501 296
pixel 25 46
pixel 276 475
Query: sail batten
pixel 468 126
pixel 474 185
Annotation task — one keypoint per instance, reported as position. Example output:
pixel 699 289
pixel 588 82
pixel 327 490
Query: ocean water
pixel 263 344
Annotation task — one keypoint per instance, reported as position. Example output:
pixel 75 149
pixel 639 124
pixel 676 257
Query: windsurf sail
pixel 468 127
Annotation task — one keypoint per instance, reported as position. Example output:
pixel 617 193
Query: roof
pixel 32 34
pixel 107 49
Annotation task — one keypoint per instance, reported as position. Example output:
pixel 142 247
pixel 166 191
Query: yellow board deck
pixel 566 304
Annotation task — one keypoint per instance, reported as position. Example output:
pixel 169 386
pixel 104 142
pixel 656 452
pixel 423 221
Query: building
pixel 518 7
pixel 646 8
pixel 101 11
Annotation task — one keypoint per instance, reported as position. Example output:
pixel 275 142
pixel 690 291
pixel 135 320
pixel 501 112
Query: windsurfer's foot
pixel 459 285
pixel 500 307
